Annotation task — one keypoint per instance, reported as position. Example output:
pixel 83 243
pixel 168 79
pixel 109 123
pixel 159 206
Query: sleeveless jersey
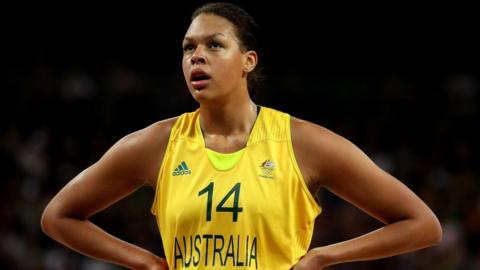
pixel 246 210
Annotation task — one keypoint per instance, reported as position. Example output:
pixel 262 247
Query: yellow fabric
pixel 224 162
pixel 259 214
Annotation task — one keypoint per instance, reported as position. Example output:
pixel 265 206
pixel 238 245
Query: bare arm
pixel 345 170
pixel 131 163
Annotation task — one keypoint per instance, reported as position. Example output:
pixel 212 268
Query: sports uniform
pixel 245 210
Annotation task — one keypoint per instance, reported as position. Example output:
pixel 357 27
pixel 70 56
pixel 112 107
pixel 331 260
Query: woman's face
pixel 213 63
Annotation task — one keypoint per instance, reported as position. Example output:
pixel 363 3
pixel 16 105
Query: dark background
pixel 400 81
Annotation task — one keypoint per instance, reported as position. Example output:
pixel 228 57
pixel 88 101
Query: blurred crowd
pixel 57 120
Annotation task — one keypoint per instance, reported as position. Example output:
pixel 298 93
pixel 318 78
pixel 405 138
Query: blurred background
pixel 401 82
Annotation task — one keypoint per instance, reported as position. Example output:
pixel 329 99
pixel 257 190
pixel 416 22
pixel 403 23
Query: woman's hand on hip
pixel 313 260
pixel 158 264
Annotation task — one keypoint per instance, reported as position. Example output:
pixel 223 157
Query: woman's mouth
pixel 199 79
pixel 200 84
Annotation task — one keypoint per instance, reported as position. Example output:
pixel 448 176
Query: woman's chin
pixel 207 95
pixel 200 95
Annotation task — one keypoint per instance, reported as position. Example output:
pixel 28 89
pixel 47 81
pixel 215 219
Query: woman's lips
pixel 199 78
pixel 199 85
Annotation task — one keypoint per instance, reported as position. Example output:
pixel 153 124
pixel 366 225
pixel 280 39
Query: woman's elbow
pixel 438 232
pixel 46 221
pixel 432 230
pixel 50 220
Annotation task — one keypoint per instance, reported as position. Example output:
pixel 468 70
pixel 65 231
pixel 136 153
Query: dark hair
pixel 246 30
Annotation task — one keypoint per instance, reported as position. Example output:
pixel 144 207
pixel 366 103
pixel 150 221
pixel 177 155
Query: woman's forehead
pixel 207 25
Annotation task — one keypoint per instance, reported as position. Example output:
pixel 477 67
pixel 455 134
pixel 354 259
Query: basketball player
pixel 234 180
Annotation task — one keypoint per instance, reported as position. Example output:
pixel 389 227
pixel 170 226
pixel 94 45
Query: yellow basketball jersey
pixel 246 210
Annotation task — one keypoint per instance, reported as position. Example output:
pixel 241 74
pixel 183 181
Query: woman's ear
pixel 251 60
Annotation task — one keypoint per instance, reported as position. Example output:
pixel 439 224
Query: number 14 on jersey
pixel 209 189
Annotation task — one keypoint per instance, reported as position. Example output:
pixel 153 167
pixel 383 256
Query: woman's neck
pixel 234 118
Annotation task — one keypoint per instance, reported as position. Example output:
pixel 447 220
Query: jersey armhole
pixel 310 196
pixel 153 208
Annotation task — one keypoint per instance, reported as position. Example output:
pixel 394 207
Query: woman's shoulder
pixel 311 131
pixel 317 137
pixel 317 148
pixel 143 150
pixel 160 128
pixel 155 133
pixel 308 134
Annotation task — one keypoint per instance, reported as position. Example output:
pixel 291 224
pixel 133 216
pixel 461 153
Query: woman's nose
pixel 197 57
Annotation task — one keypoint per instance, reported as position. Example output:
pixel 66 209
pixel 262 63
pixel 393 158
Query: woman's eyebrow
pixel 192 38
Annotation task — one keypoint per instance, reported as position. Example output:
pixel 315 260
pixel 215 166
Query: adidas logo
pixel 182 169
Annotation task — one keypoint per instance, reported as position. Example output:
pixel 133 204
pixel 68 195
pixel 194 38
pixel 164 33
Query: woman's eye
pixel 215 45
pixel 188 48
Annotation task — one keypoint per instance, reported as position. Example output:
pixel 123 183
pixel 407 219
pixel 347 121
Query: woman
pixel 234 180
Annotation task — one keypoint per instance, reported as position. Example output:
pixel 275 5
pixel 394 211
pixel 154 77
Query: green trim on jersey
pixel 224 161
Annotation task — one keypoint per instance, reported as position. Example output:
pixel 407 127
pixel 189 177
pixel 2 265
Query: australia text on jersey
pixel 213 250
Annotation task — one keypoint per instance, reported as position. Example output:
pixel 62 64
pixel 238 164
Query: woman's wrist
pixel 322 256
pixel 150 261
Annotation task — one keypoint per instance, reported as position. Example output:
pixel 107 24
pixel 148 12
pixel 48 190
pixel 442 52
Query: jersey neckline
pixel 252 131
pixel 227 161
